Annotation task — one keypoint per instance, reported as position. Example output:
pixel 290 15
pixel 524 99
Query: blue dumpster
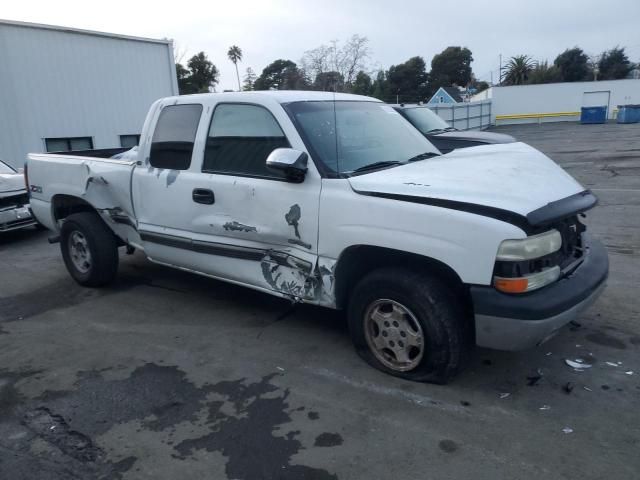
pixel 628 114
pixel 593 115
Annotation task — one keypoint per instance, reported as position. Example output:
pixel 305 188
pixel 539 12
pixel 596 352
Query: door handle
pixel 203 195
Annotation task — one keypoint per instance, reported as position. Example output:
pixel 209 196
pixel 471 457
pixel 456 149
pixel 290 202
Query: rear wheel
pixel 410 325
pixel 89 249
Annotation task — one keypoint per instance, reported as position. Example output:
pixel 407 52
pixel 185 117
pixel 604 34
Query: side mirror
pixel 293 163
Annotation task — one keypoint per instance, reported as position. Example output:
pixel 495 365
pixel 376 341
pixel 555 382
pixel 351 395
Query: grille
pixel 571 230
pixel 14 200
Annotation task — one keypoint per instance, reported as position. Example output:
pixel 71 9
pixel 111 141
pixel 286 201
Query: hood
pixel 11 182
pixel 478 136
pixel 513 177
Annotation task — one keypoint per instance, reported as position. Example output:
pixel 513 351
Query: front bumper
pixel 517 322
pixel 17 217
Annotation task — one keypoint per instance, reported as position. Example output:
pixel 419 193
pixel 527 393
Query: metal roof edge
pixel 16 23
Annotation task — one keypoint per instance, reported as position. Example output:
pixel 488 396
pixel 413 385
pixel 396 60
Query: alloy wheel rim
pixel 394 335
pixel 79 251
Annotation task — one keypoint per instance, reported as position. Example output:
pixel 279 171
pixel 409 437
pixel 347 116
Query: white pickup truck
pixel 336 200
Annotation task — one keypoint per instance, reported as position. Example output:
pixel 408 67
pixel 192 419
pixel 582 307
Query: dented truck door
pixel 267 227
pixel 219 210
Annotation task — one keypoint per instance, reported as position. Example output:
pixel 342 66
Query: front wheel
pixel 89 249
pixel 410 325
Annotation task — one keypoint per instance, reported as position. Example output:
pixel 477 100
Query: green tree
pixel 614 64
pixel 380 89
pixel 200 76
pixel 572 66
pixel 407 82
pixel 281 75
pixel 249 79
pixel 362 85
pixel 451 66
pixel 542 72
pixel 203 74
pixel 329 82
pixel 183 76
pixel 235 55
pixel 481 86
pixel 517 70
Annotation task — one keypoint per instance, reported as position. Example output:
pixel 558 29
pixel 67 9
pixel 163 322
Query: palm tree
pixel 518 69
pixel 235 55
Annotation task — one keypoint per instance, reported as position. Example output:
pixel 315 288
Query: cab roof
pixel 280 96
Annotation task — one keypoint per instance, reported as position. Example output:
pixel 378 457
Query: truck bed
pixel 90 176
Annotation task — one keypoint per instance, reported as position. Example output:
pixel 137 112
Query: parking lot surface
pixel 171 375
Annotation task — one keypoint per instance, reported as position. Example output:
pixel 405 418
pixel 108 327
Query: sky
pixel 266 30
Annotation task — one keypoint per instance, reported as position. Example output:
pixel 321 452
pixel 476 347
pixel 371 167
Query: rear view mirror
pixel 292 162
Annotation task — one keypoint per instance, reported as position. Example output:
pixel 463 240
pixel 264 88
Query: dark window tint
pixel 240 139
pixel 172 142
pixel 129 141
pixel 68 144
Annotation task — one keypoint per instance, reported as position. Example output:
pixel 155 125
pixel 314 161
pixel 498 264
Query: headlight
pixel 529 248
pixel 526 250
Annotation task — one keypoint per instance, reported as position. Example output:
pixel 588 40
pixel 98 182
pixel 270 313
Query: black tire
pixel 446 333
pixel 101 244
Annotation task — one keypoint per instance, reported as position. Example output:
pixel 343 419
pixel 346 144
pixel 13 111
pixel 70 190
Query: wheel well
pixel 65 205
pixel 357 261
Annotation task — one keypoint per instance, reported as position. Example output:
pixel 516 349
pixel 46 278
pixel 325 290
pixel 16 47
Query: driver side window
pixel 240 139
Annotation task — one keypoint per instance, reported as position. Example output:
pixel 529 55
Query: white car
pixel 336 200
pixel 14 200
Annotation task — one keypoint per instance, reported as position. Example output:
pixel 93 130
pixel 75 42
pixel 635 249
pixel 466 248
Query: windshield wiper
pixel 376 165
pixel 423 156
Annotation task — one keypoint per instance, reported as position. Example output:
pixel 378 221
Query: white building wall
pixel 560 97
pixel 57 82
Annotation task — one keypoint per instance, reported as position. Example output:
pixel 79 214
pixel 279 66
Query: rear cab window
pixel 174 136
pixel 240 138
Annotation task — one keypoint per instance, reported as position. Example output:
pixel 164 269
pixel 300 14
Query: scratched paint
pixel 293 218
pixel 238 227
pixel 172 176
pixel 297 241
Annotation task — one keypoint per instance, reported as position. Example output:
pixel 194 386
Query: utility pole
pixel 500 71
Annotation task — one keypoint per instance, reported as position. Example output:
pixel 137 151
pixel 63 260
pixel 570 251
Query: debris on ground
pixel 548 354
pixel 280 368
pixel 464 403
pixel 568 387
pixel 567 430
pixel 577 364
pixel 545 407
pixel 587 389
pixel 605 387
pixel 612 364
pixel 504 395
pixel 534 378
pixel 574 325
pixel 629 372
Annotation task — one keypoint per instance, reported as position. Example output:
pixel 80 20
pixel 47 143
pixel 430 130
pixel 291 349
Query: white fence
pixel 556 102
pixel 464 116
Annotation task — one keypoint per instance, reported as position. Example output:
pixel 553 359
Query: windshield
pixel 368 133
pixel 424 119
pixel 4 168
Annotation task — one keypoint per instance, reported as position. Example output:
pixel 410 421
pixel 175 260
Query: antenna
pixel 335 130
